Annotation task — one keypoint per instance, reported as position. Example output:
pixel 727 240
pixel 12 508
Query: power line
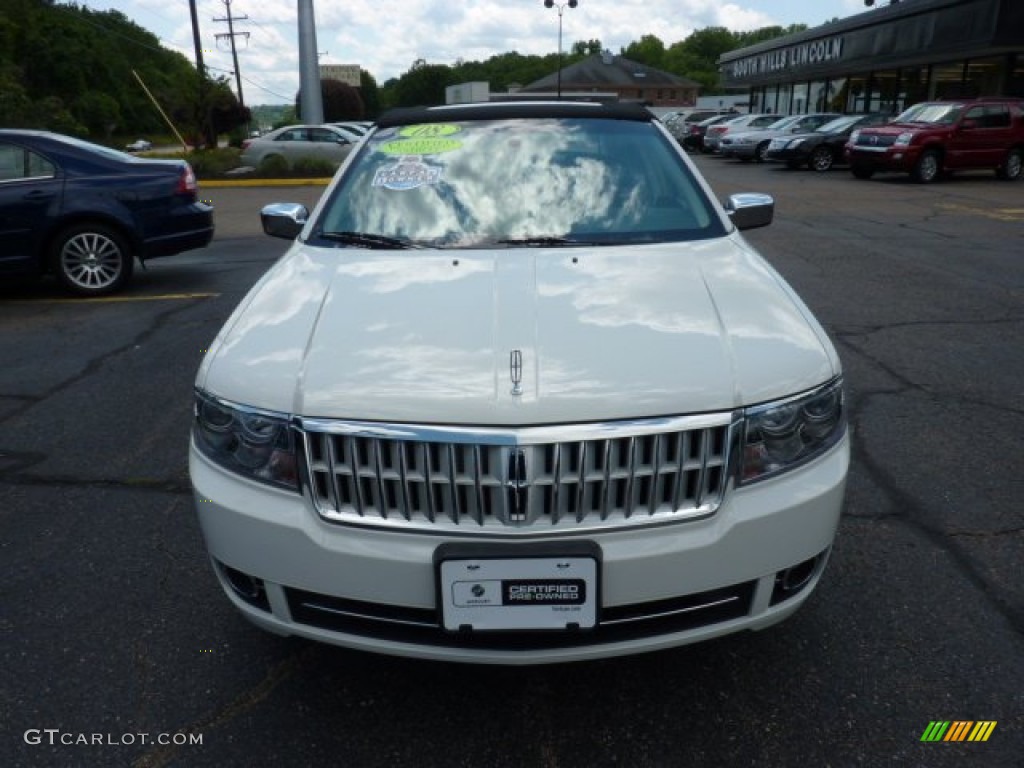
pixel 231 35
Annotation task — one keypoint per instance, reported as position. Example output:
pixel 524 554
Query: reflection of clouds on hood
pixel 387 275
pixel 290 289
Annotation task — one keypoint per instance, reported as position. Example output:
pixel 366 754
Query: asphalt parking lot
pixel 114 637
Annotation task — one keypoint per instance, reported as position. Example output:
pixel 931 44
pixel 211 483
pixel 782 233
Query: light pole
pixel 561 8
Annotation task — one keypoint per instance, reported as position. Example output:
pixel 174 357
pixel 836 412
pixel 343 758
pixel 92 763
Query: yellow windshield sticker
pixel 428 131
pixel 419 146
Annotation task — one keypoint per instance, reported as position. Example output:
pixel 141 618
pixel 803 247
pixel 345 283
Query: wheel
pixel 861 172
pixel 928 167
pixel 761 153
pixel 821 159
pixel 1011 168
pixel 91 259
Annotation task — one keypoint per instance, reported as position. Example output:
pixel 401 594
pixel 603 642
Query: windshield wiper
pixel 368 240
pixel 544 241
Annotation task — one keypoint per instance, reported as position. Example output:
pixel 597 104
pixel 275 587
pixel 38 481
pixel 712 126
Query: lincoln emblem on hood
pixel 515 370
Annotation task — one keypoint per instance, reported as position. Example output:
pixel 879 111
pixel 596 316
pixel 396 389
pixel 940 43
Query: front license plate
pixel 518 593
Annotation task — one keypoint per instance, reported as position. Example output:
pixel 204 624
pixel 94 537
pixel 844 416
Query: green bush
pixel 212 163
pixel 273 166
pixel 313 168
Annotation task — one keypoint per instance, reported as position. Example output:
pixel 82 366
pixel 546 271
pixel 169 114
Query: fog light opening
pixel 790 581
pixel 248 588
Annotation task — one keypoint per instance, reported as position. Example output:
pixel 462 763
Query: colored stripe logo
pixel 958 730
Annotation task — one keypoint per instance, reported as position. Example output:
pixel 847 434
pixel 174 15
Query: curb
pixel 215 183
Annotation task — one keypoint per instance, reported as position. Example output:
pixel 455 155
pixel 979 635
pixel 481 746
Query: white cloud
pixel 386 36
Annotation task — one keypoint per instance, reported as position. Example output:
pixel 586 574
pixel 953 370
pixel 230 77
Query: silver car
pixel 713 138
pixel 299 142
pixel 753 145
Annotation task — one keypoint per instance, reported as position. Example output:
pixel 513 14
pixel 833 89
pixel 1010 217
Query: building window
pixel 817 96
pixel 885 91
pixel 948 80
pixel 985 77
pixel 914 84
pixel 800 102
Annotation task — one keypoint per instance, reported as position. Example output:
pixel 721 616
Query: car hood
pixel 606 333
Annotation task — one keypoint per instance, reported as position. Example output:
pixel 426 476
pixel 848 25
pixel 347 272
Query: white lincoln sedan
pixel 519 392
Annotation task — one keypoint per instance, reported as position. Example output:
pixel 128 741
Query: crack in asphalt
pixel 162 485
pixel 94 364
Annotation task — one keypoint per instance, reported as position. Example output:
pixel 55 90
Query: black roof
pixel 514 109
pixel 606 70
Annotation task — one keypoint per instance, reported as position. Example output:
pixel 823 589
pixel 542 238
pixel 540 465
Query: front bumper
pixel 787 155
pixel 739 150
pixel 899 159
pixel 661 586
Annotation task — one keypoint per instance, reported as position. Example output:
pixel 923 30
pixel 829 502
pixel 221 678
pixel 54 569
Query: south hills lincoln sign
pixel 788 58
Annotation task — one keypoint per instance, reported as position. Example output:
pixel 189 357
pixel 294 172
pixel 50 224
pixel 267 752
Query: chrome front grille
pixel 532 480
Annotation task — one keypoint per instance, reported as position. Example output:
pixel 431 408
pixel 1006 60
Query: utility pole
pixel 310 99
pixel 203 110
pixel 231 34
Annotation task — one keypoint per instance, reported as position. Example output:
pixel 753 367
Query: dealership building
pixel 887 58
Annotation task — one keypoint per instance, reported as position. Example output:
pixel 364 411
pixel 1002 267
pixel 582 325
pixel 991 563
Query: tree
pixel 340 101
pixel 648 50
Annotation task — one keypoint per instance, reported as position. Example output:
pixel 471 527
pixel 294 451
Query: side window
pixel 17 163
pixel 295 134
pixel 977 114
pixel 321 134
pixel 40 167
pixel 997 116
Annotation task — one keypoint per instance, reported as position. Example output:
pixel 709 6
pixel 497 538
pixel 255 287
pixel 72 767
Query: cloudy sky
pixel 386 36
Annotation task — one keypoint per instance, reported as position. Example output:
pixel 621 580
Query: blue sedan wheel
pixel 91 259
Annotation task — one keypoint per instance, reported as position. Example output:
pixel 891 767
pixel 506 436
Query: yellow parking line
pixel 215 183
pixel 117 299
pixel 999 214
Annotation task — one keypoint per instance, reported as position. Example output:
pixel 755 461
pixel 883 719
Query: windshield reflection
pixel 479 183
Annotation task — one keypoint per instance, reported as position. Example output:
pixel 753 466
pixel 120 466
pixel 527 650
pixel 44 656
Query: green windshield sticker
pixel 428 131
pixel 419 146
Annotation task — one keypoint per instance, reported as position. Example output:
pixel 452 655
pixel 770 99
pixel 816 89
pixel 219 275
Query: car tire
pixel 1012 166
pixel 761 153
pixel 860 172
pixel 928 167
pixel 821 160
pixel 91 259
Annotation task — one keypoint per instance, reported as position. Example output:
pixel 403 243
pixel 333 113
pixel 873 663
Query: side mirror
pixel 749 210
pixel 284 220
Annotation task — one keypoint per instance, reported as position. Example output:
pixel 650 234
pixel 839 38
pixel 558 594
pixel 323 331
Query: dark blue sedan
pixel 84 212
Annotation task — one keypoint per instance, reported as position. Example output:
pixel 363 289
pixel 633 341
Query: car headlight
pixel 785 434
pixel 254 443
pixel 795 143
pixel 903 139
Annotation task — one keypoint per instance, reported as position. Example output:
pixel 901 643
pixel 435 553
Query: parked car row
pixel 926 141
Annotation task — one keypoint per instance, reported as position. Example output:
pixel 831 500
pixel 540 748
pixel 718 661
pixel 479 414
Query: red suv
pixel 942 136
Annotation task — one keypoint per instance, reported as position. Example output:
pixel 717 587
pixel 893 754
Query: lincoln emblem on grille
pixel 517 486
pixel 515 370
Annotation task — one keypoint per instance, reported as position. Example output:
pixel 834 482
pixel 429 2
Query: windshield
pixel 515 182
pixel 784 122
pixel 839 124
pixel 945 114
